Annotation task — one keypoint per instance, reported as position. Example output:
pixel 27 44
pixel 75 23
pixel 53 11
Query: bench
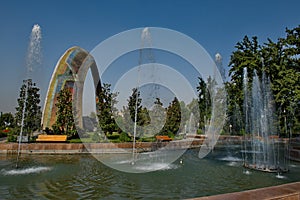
pixel 51 138
pixel 162 138
pixel 274 136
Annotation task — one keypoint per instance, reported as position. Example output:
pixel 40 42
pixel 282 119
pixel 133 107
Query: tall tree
pixel 293 53
pixel 30 98
pixel 135 106
pixel 64 116
pixel 235 122
pixel 204 101
pixel 280 61
pixel 173 119
pixel 289 94
pixel 247 55
pixel 106 109
pixel 158 115
pixel 282 65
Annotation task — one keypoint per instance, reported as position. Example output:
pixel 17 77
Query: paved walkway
pixel 289 191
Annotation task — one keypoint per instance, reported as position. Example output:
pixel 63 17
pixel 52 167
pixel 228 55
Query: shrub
pixel 124 137
pixel 171 135
pixel 148 139
pixel 32 139
pixel 75 140
pixel 113 136
pixel 200 131
pixel 11 138
pixel 2 134
pixel 96 137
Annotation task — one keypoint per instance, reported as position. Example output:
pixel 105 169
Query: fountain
pixel 262 148
pixel 177 177
pixel 145 37
pixel 33 60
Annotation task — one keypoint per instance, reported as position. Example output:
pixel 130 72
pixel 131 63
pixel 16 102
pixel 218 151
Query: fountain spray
pixel 33 60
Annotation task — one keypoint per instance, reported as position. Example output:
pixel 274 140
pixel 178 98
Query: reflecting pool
pixel 84 177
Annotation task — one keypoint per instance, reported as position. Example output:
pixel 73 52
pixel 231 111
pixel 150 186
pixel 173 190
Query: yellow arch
pixel 70 72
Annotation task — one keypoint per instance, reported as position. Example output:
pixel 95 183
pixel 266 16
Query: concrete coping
pixel 290 191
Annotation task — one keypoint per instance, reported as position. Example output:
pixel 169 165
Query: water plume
pixel 33 60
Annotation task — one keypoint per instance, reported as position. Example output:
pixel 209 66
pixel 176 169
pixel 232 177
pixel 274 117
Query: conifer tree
pixel 65 124
pixel 30 98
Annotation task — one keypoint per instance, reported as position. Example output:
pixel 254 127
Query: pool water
pixel 84 177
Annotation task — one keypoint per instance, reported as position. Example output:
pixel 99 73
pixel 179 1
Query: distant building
pixel 89 124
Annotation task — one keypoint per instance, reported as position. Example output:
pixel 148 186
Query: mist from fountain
pixel 34 56
pixel 192 128
pixel 260 151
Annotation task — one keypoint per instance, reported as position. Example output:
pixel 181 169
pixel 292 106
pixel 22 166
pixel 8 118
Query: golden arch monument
pixel 70 72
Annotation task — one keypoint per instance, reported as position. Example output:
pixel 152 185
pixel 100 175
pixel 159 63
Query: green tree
pixel 280 61
pixel 30 98
pixel 173 119
pixel 204 101
pixel 135 106
pixel 286 83
pixel 65 124
pixel 235 123
pixel 281 64
pixel 293 54
pixel 193 107
pixel 158 117
pixel 6 120
pixel 106 109
pixel 248 55
pixel 185 115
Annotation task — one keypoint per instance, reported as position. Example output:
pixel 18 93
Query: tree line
pixel 279 60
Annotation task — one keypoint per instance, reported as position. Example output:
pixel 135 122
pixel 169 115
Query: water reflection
pixel 84 177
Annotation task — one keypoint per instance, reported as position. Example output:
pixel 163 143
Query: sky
pixel 216 25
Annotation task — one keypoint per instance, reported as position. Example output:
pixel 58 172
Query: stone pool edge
pixel 81 148
pixel 289 191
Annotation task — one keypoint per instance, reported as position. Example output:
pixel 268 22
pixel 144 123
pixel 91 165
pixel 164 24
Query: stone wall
pixel 75 148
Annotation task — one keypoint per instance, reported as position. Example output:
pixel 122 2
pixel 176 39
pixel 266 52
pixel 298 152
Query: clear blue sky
pixel 216 25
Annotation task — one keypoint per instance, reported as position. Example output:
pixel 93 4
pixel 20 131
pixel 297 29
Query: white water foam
pixel 123 161
pixel 292 165
pixel 156 166
pixel 25 171
pixel 247 172
pixel 231 158
pixel 280 176
pixel 233 164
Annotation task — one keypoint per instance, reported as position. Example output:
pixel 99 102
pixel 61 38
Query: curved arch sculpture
pixel 70 72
